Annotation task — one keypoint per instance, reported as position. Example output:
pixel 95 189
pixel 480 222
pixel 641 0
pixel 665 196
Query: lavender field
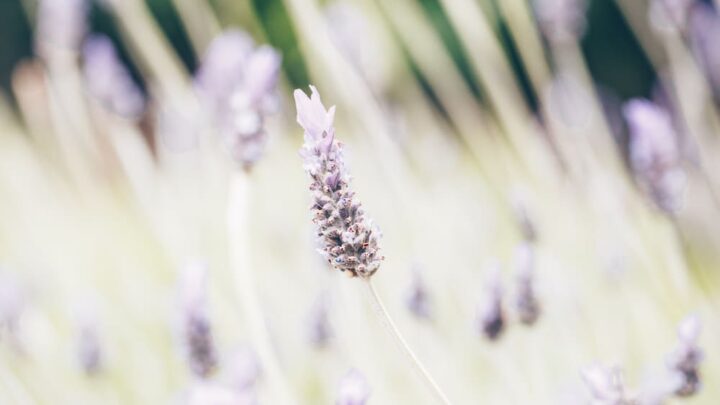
pixel 350 202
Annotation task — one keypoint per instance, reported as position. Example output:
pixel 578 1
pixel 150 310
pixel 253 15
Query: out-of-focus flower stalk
pixel 235 83
pixel 238 216
pixel 61 28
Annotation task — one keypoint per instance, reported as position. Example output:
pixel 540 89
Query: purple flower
pixel 354 389
pixel 196 328
pixel 89 348
pixel 222 67
pixel 243 369
pixel 654 154
pixel 491 318
pixel 236 84
pixel 108 80
pixel 348 240
pixel 606 385
pixel 527 304
pixel 685 359
pixel 417 299
pixel 319 329
pixel 13 303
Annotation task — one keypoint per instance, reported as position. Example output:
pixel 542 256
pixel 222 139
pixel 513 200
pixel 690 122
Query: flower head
pixel 89 342
pixel 417 299
pixel 108 80
pixel 491 319
pixel 197 332
pixel 236 83
pixel 606 385
pixel 348 240
pixel 354 389
pixel 654 154
pixel 685 359
pixel 319 329
pixel 526 302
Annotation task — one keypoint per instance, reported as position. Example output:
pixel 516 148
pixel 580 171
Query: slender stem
pixel 238 238
pixel 392 328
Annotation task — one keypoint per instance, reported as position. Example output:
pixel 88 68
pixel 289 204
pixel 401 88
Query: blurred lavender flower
pixel 685 359
pixel 196 329
pixel 561 20
pixel 89 348
pixel 243 369
pixel 108 79
pixel 527 304
pixel 354 389
pixel 491 319
pixel 669 14
pixel 654 154
pixel 606 386
pixel 349 241
pixel 704 35
pixel 12 304
pixel 236 84
pixel 60 24
pixel 417 299
pixel 319 330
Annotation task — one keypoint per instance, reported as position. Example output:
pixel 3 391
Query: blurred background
pixel 544 174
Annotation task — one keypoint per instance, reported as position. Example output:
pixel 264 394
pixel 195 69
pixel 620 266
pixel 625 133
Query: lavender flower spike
pixel 349 241
pixel 685 359
pixel 197 331
pixel 108 80
pixel 527 304
pixel 236 84
pixel 491 316
pixel 654 154
pixel 606 386
pixel 354 389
